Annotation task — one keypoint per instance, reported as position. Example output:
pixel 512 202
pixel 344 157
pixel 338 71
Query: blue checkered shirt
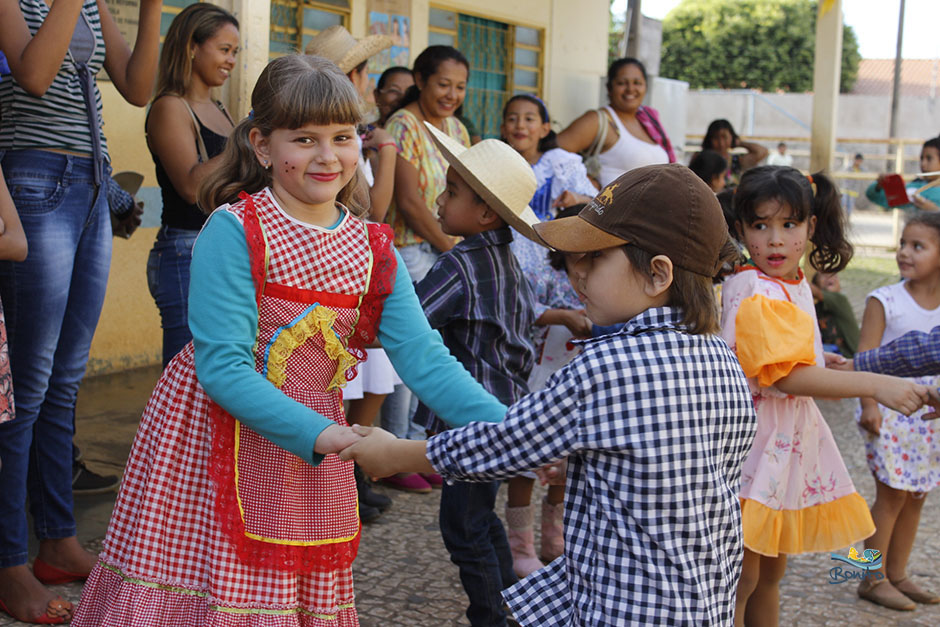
pixel 478 298
pixel 914 354
pixel 655 423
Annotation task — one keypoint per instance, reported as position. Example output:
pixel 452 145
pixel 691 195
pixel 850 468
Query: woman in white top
pixel 634 138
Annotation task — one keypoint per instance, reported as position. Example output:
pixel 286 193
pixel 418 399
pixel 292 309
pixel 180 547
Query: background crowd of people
pixel 59 202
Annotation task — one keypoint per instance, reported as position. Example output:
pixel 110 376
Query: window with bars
pixel 505 59
pixel 294 22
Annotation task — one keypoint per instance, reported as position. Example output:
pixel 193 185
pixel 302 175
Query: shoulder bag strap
pixel 598 144
pixel 200 145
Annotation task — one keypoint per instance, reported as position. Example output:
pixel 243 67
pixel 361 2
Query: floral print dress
pixel 796 493
pixel 906 455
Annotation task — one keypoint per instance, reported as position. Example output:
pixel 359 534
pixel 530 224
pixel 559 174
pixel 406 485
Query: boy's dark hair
pixel 556 259
pixel 708 164
pixel 831 249
pixel 714 128
pixel 932 143
pixel 929 219
pixel 390 72
pixel 426 66
pixel 692 293
pixel 549 141
pixel 859 155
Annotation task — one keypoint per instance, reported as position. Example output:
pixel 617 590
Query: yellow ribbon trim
pixel 220 608
pixel 319 319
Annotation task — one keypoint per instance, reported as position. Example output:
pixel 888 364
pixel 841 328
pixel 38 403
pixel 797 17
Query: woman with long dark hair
pixel 186 132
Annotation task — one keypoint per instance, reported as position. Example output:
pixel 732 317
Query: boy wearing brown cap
pixel 655 420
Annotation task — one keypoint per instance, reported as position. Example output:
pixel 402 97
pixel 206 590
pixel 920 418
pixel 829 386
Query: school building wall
pixel 574 63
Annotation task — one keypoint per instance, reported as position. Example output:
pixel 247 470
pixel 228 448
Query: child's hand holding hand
pixel 334 439
pixel 835 361
pixel 901 395
pixel 373 452
pixel 870 420
pixel 554 473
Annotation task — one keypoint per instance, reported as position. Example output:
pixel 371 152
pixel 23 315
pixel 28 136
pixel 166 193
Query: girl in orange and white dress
pixel 796 494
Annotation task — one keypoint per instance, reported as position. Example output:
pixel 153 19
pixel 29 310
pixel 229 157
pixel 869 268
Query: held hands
pixel 334 439
pixel 554 473
pixel 901 395
pixel 372 450
pixel 835 361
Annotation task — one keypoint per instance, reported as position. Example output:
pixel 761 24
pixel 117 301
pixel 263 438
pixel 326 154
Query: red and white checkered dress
pixel 214 524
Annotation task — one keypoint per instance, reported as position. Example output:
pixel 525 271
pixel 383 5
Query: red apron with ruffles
pixel 216 525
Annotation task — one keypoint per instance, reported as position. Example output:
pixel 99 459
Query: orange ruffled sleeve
pixel 772 337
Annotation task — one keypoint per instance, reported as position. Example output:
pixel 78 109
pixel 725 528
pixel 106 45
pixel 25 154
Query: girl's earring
pixel 192 55
pixel 267 166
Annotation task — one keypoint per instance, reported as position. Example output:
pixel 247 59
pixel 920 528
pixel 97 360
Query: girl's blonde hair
pixel 292 91
pixel 192 26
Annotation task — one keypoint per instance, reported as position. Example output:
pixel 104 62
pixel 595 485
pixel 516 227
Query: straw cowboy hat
pixel 336 44
pixel 499 174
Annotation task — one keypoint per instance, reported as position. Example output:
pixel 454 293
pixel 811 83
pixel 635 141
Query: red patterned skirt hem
pixel 112 599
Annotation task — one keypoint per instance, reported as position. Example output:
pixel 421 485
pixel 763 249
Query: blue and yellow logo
pixel 870 559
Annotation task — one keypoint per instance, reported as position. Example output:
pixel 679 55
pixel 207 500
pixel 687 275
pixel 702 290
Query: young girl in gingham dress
pixel 234 509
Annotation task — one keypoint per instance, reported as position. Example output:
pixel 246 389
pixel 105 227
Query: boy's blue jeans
pixel 476 541
pixel 168 280
pixel 52 302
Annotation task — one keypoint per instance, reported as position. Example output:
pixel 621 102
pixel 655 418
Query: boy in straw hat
pixel 655 420
pixel 478 298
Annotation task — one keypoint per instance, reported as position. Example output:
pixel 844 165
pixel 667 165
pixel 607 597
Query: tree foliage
pixel 756 44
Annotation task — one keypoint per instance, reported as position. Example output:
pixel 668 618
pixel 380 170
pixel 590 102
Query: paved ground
pixel 403 576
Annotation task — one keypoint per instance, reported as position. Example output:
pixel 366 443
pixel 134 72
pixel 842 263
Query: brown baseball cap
pixel 662 209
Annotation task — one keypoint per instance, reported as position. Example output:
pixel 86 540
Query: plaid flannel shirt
pixel 478 298
pixel 914 354
pixel 655 423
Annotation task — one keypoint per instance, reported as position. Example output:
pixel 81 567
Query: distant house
pixel 919 78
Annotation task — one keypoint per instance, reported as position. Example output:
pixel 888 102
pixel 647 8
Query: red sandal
pixel 52 576
pixel 57 604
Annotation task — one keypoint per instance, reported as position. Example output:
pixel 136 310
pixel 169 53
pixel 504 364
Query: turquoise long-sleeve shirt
pixel 223 318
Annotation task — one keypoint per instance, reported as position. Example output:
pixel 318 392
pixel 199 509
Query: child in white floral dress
pixel 903 452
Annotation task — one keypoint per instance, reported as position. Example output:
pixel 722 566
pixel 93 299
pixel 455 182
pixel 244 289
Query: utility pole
pixel 631 29
pixel 896 88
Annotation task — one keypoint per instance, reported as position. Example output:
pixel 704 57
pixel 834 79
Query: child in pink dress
pixel 796 494
pixel 234 510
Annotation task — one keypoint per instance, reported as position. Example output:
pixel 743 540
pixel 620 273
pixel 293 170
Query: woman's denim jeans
pixel 168 278
pixel 52 300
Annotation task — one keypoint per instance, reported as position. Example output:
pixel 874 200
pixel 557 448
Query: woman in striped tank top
pixel 55 159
